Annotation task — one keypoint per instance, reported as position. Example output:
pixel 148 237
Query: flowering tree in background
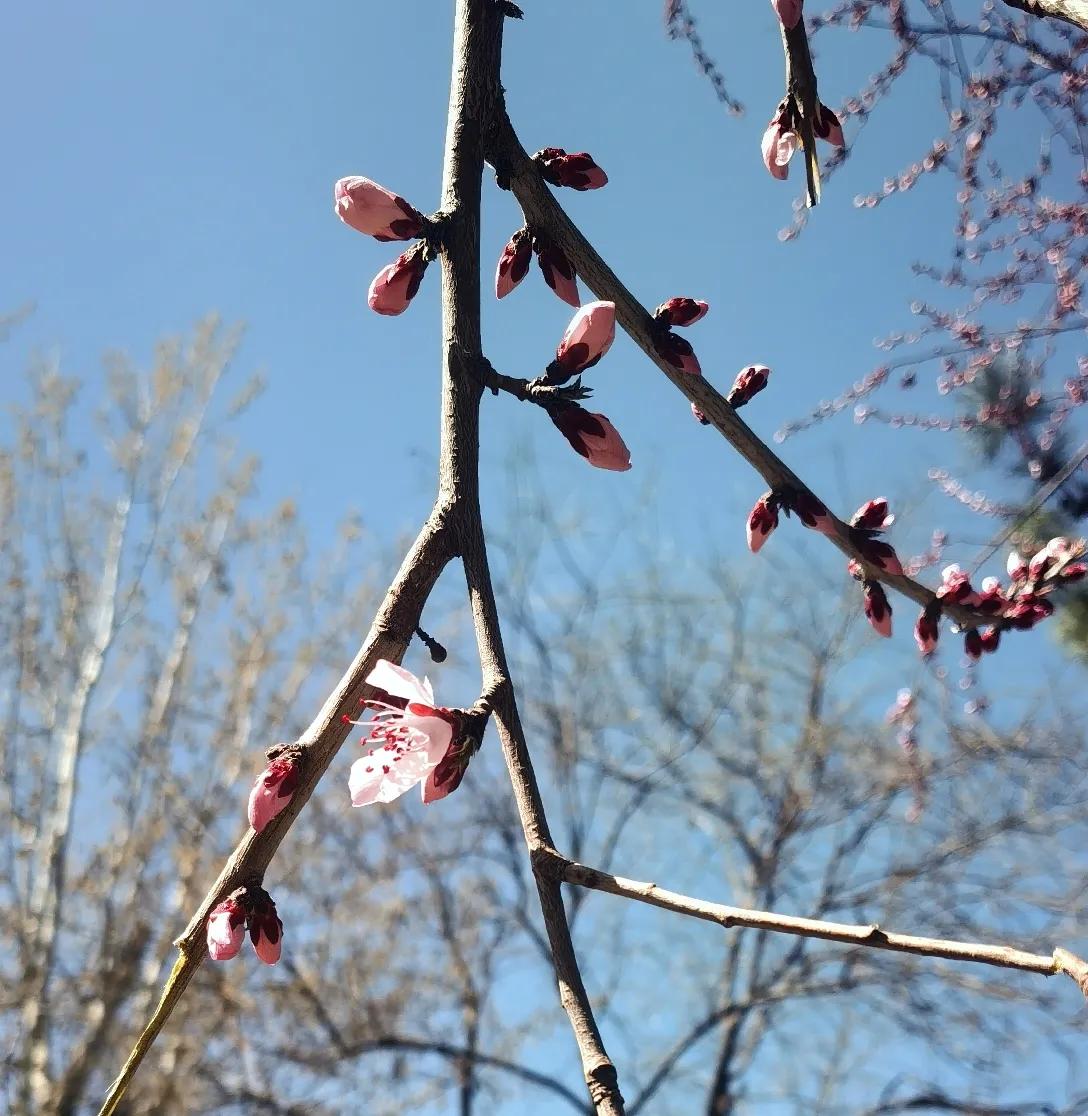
pixel 413 739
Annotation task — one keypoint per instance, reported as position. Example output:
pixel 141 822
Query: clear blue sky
pixel 164 161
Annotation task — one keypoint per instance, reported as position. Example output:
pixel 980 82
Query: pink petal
pixel 400 683
pixel 385 774
pixel 395 286
pixel 788 11
pixel 588 337
pixel 372 209
pixel 592 436
pixel 226 931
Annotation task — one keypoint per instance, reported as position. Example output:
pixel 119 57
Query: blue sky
pixel 166 161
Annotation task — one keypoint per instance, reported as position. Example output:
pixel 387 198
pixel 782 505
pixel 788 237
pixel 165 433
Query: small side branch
pixel 548 861
pixel 1073 12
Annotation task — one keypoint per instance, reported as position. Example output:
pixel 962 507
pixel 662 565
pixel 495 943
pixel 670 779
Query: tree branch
pixel 1073 12
pixel 553 864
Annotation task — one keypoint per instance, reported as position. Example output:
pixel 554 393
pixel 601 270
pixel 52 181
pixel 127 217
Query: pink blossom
pixel 878 610
pixel 926 631
pixel 880 554
pixel 956 588
pixel 226 929
pixel 272 791
pixel 788 11
pixel 578 170
pixel 749 383
pixel 265 927
pixel 699 416
pixel 1017 567
pixel 396 285
pixel 593 436
pixel 681 311
pixel 990 639
pixel 513 263
pixel 411 735
pixel 588 337
pixel 557 270
pixel 376 211
pixel 1074 572
pixel 762 520
pixel 972 644
pixel 812 513
pixel 873 516
pixel 827 127
pixel 779 144
pixel 678 353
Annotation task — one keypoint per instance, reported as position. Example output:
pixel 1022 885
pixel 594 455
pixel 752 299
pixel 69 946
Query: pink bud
pixel 926 631
pixel 788 11
pixel 972 644
pixel 873 516
pixel 990 640
pixel 749 383
pixel 827 127
pixel 878 610
pixel 956 587
pixel 265 927
pixel 881 555
pixel 557 270
pixel 578 171
pixel 226 930
pixel 593 436
pixel 376 211
pixel 681 311
pixel 699 416
pixel 396 285
pixel 588 337
pixel 811 512
pixel 272 791
pixel 513 263
pixel 762 520
pixel 1017 567
pixel 779 144
pixel 1074 571
pixel 678 353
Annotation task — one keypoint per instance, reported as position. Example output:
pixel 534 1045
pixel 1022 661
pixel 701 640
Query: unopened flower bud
pixel 699 416
pixel 272 791
pixel 577 170
pixel 1017 567
pixel 972 644
pixel 762 520
pixel 265 927
pixel 927 630
pixel 878 610
pixel 1074 571
pixel 788 11
pixel 376 211
pixel 873 516
pixel 880 554
pixel 593 436
pixel 513 263
pixel 681 311
pixel 396 285
pixel 811 512
pixel 990 639
pixel 557 270
pixel 588 337
pixel 226 929
pixel 678 353
pixel 779 145
pixel 827 127
pixel 749 383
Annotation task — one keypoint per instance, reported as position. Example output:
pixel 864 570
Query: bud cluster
pixel 250 907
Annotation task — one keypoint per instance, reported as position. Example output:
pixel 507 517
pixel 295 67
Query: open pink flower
pixel 827 127
pixel 678 353
pixel 762 520
pixel 749 383
pixel 592 436
pixel 376 211
pixel 265 927
pixel 513 263
pixel 557 270
pixel 396 285
pixel 577 170
pixel 878 610
pixel 779 145
pixel 410 734
pixel 788 11
pixel 272 791
pixel 681 311
pixel 226 929
pixel 588 337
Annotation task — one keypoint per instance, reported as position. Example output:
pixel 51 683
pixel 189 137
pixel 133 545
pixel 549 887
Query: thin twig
pixel 871 936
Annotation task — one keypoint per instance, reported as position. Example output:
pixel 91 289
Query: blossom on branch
pixel 265 927
pixel 248 906
pixel 788 12
pixel 827 127
pixel 557 270
pixel 578 170
pixel 749 383
pixel 411 736
pixel 513 263
pixel 226 929
pixel 878 609
pixel 396 285
pixel 273 790
pixel 592 436
pixel 873 516
pixel 927 629
pixel 677 353
pixel 372 209
pixel 588 337
pixel 762 520
pixel 780 143
pixel 681 311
